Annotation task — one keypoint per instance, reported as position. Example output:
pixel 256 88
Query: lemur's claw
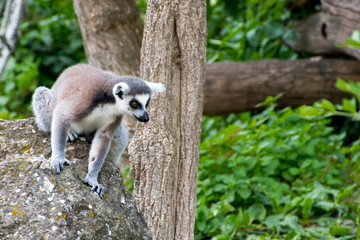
pixel 72 136
pixel 95 187
pixel 58 165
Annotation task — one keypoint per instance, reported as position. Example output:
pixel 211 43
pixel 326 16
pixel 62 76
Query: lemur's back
pixel 82 82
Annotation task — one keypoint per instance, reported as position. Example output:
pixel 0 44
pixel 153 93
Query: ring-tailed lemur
pixel 87 101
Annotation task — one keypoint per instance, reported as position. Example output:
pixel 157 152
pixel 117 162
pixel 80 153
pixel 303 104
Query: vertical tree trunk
pixel 164 153
pixel 112 33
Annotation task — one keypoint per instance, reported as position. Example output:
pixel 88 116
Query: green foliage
pixel 348 108
pixel 128 180
pixel 50 41
pixel 16 86
pixel 353 41
pixel 276 175
pixel 247 30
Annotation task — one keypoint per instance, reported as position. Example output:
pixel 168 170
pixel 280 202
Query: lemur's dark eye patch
pixel 135 104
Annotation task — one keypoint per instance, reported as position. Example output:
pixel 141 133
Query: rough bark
pixel 112 34
pixel 164 153
pixel 13 14
pixel 36 203
pixel 321 32
pixel 238 87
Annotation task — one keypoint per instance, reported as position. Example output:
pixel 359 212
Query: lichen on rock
pixel 36 203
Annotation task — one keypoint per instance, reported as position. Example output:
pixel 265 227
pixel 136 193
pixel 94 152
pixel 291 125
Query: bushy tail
pixel 42 103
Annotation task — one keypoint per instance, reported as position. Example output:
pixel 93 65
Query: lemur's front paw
pixel 58 164
pixel 95 186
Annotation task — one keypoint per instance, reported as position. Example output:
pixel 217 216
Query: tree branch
pixel 14 13
pixel 321 32
pixel 238 87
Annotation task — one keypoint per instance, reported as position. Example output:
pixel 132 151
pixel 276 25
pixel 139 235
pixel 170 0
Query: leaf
pixel 349 105
pixel 307 111
pixel 4 100
pixel 273 29
pixel 325 205
pixel 292 221
pixel 349 87
pixel 253 36
pixel 244 193
pixel 306 208
pixel 342 85
pixel 326 104
pixel 356 36
pixel 273 222
pixel 270 100
pixel 294 171
pixel 220 187
pixel 242 219
pixel 257 212
pixel 346 192
pixel 28 78
pixel 338 231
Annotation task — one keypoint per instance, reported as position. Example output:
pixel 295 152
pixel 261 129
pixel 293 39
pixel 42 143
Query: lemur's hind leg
pixel 43 103
pixel 43 106
pixel 59 134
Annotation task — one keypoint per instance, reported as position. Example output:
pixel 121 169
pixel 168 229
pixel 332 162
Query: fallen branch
pixel 237 87
pixel 321 33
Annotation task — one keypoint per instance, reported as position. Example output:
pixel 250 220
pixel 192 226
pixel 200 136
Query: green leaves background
pixel 277 175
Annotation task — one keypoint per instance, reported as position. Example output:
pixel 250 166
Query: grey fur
pixel 88 101
pixel 137 85
pixel 43 110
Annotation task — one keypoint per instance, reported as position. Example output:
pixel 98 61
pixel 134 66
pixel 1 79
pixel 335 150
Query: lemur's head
pixel 133 95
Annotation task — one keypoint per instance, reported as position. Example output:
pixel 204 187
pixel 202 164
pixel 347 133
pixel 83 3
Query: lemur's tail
pixel 42 103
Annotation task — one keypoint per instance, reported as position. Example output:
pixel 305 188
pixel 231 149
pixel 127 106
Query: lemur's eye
pixel 147 103
pixel 134 104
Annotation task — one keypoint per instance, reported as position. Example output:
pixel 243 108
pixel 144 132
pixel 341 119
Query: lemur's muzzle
pixel 142 118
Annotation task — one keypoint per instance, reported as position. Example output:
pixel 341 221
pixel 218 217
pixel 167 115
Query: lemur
pixel 87 101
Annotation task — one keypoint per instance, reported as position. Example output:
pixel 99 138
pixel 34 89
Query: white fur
pixel 156 87
pixel 121 86
pixel 106 114
pixel 100 116
pixel 142 98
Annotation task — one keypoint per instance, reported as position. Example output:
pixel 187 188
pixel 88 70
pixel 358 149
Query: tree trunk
pixel 112 34
pixel 320 32
pixel 164 153
pixel 238 87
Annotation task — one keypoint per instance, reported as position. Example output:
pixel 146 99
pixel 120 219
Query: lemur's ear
pixel 156 87
pixel 121 89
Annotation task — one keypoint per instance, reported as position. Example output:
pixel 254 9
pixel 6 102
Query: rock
pixel 36 203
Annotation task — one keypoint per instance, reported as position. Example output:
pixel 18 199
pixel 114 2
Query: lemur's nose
pixel 145 117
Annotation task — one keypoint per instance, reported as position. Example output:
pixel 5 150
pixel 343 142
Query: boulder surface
pixel 36 203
